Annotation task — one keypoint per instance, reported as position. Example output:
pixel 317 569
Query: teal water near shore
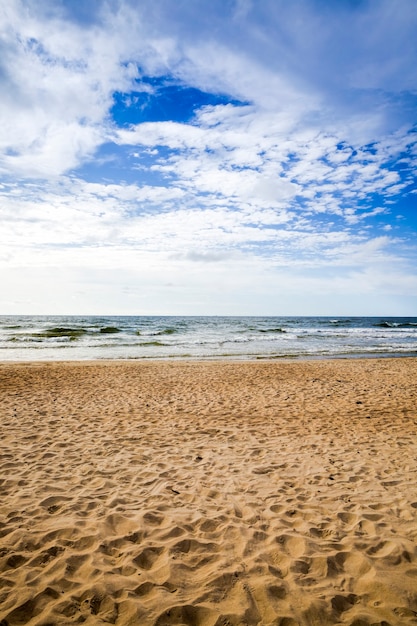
pixel 45 338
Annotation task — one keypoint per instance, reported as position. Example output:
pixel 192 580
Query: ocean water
pixel 49 338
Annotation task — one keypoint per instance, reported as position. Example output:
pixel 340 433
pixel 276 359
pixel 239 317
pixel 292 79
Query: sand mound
pixel 209 494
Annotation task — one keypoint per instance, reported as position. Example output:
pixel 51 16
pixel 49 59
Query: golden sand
pixel 209 494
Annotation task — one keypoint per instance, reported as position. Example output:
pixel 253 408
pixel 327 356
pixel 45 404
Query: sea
pixel 70 338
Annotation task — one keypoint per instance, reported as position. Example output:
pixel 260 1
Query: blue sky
pixel 208 157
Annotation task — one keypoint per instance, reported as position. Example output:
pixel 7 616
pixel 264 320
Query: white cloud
pixel 267 190
pixel 57 89
pixel 101 221
pixel 59 82
pixel 241 155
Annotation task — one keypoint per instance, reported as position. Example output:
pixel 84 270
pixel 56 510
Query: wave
pixel 271 330
pixel 61 331
pixel 35 345
pixel 159 337
pixel 386 324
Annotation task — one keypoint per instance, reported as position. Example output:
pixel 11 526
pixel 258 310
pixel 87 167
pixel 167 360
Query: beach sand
pixel 209 493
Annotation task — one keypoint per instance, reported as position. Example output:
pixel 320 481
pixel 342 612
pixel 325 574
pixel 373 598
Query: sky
pixel 208 157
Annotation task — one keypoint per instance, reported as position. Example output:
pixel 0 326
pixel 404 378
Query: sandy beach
pixel 209 493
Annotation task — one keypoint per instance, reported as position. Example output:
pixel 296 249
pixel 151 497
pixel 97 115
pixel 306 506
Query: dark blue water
pixel 24 338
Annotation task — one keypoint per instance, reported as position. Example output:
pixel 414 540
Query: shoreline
pixel 227 359
pixel 206 493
